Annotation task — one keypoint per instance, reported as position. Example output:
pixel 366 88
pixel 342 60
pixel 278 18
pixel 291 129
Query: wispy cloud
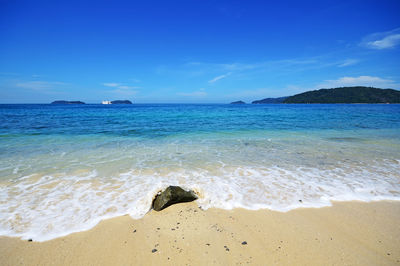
pixel 236 67
pixel 348 62
pixel 124 92
pixel 8 74
pixel 252 93
pixel 128 87
pixel 261 93
pixel 121 90
pixel 359 81
pixel 42 86
pixel 387 42
pixel 120 86
pixel 213 72
pixel 199 93
pixel 251 69
pixel 219 77
pixel 382 40
pixel 111 84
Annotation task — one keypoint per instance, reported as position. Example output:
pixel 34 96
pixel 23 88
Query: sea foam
pixel 65 168
pixel 45 207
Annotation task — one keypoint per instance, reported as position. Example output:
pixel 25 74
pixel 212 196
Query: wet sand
pixel 350 233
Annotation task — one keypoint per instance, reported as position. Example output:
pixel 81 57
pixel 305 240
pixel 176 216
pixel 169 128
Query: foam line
pixel 49 206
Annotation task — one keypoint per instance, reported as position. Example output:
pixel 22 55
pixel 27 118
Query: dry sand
pixel 351 233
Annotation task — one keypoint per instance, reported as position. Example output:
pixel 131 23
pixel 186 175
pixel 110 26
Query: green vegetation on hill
pixel 67 102
pixel 270 100
pixel 357 94
pixel 121 102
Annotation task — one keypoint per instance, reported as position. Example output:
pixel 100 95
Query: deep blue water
pixel 158 120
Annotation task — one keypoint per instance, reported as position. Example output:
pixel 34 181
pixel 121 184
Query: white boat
pixel 106 102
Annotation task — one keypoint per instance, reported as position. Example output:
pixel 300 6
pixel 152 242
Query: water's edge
pixel 65 168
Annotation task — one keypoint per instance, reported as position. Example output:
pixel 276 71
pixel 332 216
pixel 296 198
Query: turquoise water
pixel 63 168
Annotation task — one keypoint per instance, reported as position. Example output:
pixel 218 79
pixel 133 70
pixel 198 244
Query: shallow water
pixel 63 168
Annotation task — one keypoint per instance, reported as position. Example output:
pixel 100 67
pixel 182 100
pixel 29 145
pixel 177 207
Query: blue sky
pixel 193 51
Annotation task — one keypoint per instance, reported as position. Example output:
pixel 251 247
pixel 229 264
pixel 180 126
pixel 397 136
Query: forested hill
pixel 270 100
pixel 357 94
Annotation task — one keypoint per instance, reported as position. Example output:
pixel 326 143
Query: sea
pixel 64 168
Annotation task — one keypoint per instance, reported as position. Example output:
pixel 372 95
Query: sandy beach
pixel 350 233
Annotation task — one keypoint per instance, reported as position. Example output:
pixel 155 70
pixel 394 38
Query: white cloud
pixel 348 62
pixel 111 84
pixel 8 74
pixel 382 40
pixel 39 85
pixel 359 81
pixel 199 93
pixel 262 65
pixel 260 92
pixel 250 70
pixel 124 92
pixel 122 89
pixel 219 77
pixel 387 42
pixel 128 87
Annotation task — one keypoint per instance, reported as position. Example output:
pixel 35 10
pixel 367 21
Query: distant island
pixel 67 102
pixel 358 94
pixel 103 102
pixel 238 102
pixel 117 102
pixel 270 100
pixel 121 102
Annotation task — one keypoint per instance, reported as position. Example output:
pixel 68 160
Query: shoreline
pixel 355 233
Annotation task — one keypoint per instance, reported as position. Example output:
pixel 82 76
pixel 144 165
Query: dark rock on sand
pixel 172 195
pixel 154 250
pixel 244 243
